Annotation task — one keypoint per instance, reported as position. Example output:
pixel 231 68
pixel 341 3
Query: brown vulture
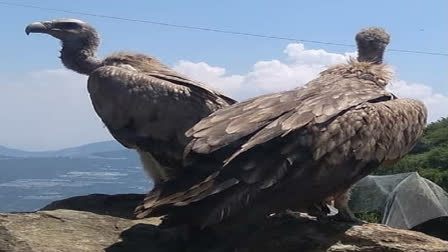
pixel 145 105
pixel 293 149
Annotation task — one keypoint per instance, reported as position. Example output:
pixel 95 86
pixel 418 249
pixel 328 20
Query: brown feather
pixel 148 107
pixel 311 142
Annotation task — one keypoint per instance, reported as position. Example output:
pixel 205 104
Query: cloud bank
pixel 51 109
pixel 300 66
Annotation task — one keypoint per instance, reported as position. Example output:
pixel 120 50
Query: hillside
pixel 30 180
pixel 83 150
pixel 429 157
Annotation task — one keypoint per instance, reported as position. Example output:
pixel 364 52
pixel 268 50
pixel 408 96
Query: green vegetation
pixel 429 157
pixel 372 216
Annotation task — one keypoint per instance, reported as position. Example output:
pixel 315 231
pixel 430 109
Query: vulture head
pixel 371 44
pixel 79 42
pixel 72 32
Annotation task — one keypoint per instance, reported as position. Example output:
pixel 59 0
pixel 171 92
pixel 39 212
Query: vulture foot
pixel 345 215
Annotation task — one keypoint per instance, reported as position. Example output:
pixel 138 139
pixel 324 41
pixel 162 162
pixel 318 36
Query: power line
pixel 208 29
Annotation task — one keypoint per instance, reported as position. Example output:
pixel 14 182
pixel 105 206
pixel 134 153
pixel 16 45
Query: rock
pixel 304 234
pixel 62 231
pixel 105 224
pixel 437 227
pixel 118 205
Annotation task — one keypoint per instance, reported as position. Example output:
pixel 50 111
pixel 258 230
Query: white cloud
pixel 205 73
pixel 48 109
pixel 300 66
pixel 298 54
pixel 437 104
pixel 51 109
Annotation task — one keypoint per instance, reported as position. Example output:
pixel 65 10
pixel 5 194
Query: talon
pixel 344 216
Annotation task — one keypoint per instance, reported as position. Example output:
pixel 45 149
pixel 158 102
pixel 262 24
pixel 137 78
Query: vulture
pixel 145 105
pixel 295 149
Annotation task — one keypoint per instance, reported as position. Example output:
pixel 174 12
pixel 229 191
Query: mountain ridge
pixel 77 151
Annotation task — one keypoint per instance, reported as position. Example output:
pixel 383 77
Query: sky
pixel 45 107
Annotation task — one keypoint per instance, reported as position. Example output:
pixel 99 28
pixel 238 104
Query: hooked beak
pixel 38 27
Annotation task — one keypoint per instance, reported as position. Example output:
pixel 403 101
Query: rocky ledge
pixel 104 223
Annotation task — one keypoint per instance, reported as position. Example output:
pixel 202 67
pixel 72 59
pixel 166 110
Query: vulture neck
pixel 369 55
pixel 80 57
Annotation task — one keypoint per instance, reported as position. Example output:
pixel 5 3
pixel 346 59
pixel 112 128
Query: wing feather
pixel 332 132
pixel 360 136
pixel 270 116
pixel 148 112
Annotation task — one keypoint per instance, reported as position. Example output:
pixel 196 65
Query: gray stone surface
pixel 63 230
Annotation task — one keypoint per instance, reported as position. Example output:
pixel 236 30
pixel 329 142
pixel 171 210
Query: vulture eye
pixel 68 26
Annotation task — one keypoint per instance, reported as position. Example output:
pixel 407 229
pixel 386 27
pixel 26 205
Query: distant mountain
pixel 80 151
pixel 31 180
pixel 29 183
pixel 4 157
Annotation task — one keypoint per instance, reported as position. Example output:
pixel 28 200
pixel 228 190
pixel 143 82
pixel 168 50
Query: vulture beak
pixel 38 27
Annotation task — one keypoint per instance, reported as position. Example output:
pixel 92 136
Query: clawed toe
pixel 345 217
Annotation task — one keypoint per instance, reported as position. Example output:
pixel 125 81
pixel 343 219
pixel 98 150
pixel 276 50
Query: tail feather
pixel 212 210
pixel 161 198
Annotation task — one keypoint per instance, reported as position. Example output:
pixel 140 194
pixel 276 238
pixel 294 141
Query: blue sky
pixel 414 25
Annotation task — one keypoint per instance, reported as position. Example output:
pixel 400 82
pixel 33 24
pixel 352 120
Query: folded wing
pixel 149 108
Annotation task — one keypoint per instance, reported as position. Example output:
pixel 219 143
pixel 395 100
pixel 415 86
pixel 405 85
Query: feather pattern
pixel 281 113
pixel 148 107
pixel 144 104
pixel 331 132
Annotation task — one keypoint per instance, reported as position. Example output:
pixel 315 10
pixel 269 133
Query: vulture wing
pixel 316 140
pixel 266 117
pixel 147 106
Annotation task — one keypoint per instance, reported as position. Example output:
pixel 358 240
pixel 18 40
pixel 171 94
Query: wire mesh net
pixel 404 200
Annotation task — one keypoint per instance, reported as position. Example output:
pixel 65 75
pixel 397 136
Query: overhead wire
pixel 207 29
